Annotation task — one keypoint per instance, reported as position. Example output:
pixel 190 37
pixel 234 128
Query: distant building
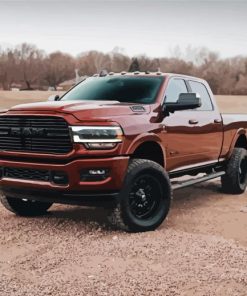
pixel 66 85
pixel 15 87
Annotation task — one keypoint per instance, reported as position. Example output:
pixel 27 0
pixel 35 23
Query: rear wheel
pixel 145 198
pixel 235 179
pixel 24 207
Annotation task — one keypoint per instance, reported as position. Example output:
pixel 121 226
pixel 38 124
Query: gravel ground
pixel 200 250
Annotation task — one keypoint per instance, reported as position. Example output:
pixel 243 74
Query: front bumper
pixel 76 191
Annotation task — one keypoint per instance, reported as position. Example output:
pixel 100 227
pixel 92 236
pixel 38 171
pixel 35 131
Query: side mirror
pixel 54 98
pixel 185 101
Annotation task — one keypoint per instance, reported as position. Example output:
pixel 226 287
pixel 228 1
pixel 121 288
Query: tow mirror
pixel 185 101
pixel 54 98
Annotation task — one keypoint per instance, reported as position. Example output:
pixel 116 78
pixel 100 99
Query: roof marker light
pixel 103 73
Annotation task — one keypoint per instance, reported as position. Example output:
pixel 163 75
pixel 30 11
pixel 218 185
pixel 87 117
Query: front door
pixel 191 137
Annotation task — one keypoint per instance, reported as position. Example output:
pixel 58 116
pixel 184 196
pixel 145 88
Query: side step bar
pixel 182 184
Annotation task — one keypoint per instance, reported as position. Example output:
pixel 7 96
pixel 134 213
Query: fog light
pixel 59 178
pixel 94 174
pixel 97 172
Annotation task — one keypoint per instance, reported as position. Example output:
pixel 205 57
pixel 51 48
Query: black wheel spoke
pixel 145 197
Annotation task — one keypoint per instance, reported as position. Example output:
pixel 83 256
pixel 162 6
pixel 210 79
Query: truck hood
pixel 85 110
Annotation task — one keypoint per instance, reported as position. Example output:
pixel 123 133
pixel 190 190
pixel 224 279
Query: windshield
pixel 125 89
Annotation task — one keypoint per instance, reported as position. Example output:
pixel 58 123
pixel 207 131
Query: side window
pixel 198 87
pixel 174 88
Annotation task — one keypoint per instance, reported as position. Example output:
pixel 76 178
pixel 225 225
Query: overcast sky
pixel 140 27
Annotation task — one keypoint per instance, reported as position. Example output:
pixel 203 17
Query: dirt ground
pixel 201 249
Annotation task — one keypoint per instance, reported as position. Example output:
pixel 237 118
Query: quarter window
pixel 198 87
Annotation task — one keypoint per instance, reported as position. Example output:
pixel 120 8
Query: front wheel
pixel 24 207
pixel 144 201
pixel 235 179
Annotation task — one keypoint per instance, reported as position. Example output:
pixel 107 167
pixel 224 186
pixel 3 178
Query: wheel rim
pixel 243 171
pixel 145 196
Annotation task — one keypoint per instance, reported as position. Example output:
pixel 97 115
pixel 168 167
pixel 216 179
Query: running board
pixel 182 184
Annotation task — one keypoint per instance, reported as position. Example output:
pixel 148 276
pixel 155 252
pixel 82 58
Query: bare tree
pixel 148 64
pixel 32 68
pixel 8 69
pixel 93 62
pixel 119 62
pixel 30 61
pixel 58 67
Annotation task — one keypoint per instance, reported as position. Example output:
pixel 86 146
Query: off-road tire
pixel 235 179
pixel 122 215
pixel 25 207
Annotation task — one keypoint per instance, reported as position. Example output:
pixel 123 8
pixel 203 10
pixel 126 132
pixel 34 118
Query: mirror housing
pixel 185 101
pixel 54 98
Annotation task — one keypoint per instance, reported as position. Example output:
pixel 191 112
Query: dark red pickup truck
pixel 120 141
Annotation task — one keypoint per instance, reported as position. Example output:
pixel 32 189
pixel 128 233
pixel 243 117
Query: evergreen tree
pixel 134 66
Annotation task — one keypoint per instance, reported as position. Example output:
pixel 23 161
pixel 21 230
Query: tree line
pixel 31 68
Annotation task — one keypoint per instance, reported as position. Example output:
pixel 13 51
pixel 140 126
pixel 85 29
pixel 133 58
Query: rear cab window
pixel 201 89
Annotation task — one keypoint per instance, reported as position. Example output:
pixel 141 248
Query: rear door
pixel 193 137
pixel 210 121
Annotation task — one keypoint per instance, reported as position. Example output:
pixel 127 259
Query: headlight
pixel 97 137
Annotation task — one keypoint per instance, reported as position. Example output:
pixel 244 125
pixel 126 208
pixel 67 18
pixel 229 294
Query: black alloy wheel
pixel 145 196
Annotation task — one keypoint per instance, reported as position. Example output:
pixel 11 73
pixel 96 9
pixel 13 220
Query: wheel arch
pixel 239 141
pixel 142 146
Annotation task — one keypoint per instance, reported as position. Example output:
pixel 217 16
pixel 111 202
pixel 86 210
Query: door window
pixel 174 89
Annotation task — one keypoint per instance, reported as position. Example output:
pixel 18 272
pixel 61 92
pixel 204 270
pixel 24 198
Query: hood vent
pixel 137 108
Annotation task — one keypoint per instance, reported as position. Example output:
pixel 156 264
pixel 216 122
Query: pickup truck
pixel 121 141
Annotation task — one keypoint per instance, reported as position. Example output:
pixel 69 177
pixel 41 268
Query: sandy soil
pixel 12 98
pixel 201 249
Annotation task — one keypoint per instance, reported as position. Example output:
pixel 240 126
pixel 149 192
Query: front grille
pixel 34 134
pixel 26 174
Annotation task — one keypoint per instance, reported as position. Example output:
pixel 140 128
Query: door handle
pixel 217 121
pixel 193 121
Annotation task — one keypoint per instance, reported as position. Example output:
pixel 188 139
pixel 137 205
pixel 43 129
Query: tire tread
pixel 116 217
pixel 230 181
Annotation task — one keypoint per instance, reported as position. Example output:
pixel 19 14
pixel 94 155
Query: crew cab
pixel 121 141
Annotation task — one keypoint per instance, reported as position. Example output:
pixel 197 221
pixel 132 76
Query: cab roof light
pixel 103 73
pixel 137 73
pixel 123 72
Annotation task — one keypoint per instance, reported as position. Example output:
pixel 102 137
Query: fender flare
pixel 143 138
pixel 239 132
